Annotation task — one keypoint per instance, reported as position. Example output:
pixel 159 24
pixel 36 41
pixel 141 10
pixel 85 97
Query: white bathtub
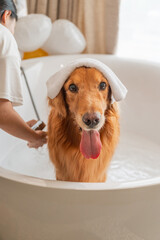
pixel 33 205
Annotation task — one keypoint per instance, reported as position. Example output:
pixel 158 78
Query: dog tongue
pixel 90 145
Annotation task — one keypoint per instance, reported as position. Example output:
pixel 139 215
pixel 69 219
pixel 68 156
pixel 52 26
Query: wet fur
pixel 64 143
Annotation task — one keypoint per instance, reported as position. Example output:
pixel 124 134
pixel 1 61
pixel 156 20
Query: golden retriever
pixel 83 127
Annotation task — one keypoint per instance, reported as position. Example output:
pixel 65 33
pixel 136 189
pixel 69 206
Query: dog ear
pixel 59 104
pixel 112 109
pixel 109 97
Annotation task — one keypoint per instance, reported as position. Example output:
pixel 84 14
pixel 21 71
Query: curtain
pixel 97 19
pixel 21 8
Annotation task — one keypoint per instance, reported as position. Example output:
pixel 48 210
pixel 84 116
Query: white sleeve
pixel 10 80
pixel 10 74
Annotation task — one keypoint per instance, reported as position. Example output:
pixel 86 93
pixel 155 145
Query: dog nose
pixel 91 119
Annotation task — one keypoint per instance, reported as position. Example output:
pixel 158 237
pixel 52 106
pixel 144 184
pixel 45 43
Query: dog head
pixel 86 94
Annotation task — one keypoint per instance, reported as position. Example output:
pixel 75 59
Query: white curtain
pixel 21 7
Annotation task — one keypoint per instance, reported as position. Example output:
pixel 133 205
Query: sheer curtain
pixel 97 19
pixel 21 7
pixel 139 29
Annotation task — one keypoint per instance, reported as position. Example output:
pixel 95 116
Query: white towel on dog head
pixel 56 82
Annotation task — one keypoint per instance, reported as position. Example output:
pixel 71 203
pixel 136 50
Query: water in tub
pixel 136 158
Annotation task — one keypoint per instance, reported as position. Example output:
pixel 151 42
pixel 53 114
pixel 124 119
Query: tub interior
pixel 137 157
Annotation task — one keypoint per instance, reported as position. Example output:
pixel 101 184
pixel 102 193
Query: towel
pixel 56 82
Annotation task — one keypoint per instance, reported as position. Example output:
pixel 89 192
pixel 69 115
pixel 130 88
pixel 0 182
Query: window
pixel 139 30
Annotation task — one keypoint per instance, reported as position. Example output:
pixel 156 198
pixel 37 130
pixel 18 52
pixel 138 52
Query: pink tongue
pixel 90 145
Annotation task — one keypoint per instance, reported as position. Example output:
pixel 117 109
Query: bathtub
pixel 33 205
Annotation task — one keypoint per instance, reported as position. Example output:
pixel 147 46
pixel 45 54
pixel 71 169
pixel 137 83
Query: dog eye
pixel 102 86
pixel 73 88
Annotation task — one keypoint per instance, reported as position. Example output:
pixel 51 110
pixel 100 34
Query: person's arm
pixel 12 123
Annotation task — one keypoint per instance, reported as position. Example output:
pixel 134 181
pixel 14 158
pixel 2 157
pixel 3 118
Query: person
pixel 10 81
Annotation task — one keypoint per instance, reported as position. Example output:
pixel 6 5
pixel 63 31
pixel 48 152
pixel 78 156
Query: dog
pixel 83 127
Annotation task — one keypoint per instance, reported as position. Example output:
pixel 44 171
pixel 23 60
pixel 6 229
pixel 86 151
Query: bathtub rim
pixel 141 61
pixel 54 184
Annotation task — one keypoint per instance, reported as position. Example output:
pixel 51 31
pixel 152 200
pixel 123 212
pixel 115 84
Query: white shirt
pixel 10 74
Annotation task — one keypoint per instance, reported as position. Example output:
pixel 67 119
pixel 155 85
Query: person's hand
pixel 39 137
pixel 39 140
